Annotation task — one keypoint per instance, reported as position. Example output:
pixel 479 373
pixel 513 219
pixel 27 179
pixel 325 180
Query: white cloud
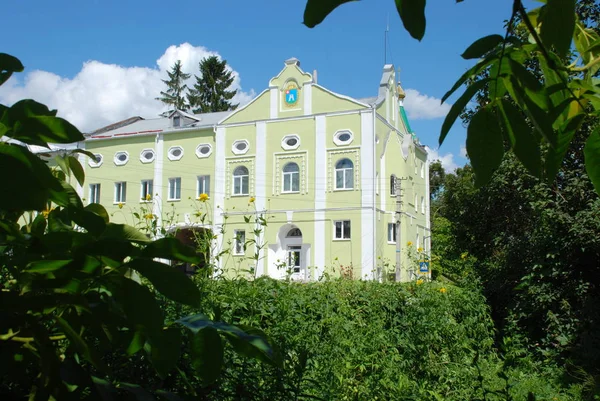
pixel 423 107
pixel 463 151
pixel 447 160
pixel 101 94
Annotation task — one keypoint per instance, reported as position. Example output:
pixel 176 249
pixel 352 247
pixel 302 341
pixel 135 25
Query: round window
pixel 148 155
pixel 204 150
pixel 97 158
pixel 345 137
pixel 122 157
pixel 291 142
pixel 176 152
pixel 241 146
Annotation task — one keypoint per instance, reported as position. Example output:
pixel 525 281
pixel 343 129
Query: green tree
pixel 174 96
pixel 211 91
pixel 437 177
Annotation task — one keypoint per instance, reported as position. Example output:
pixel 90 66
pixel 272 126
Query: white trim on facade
pixel 307 98
pixel 320 195
pixel 219 195
pixel 261 188
pixel 367 176
pixel 158 178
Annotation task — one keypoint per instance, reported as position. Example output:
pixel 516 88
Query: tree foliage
pixel 79 292
pixel 174 96
pixel 211 91
pixel 537 116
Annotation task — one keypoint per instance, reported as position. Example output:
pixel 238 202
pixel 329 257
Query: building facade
pixel 301 180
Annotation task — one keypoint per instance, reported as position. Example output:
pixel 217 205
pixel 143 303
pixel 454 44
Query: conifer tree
pixel 174 96
pixel 210 92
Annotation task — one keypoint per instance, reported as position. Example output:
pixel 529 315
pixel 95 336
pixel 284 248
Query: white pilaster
pixel 219 195
pixel 367 223
pixel 261 188
pixel 320 195
pixel 307 99
pixel 157 201
pixel 274 102
pixel 384 191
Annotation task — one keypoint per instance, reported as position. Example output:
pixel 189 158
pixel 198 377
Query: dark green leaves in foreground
pixel 592 155
pixel 482 46
pixel 412 13
pixel 484 145
pixel 558 24
pixel 8 65
pixel 316 10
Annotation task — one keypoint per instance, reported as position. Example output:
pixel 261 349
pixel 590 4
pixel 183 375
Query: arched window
pixel 241 181
pixel 291 178
pixel 344 174
pixel 392 185
pixel 294 233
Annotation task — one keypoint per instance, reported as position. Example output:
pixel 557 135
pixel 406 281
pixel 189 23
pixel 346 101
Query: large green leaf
pixel 459 106
pixel 29 181
pixel 469 74
pixel 89 220
pixel 47 129
pixel 76 169
pixel 592 158
pixel 556 154
pixel 46 266
pixel 79 343
pixel 138 392
pixel 99 210
pixel 412 13
pixel 207 354
pixel 171 248
pixel 8 65
pixel 124 232
pixel 165 350
pixel 558 24
pixel 482 46
pixel 485 146
pixel 140 307
pixel 168 280
pixel 316 10
pixel 523 143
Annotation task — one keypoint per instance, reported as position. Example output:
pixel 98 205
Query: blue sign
pixel 291 96
pixel 424 267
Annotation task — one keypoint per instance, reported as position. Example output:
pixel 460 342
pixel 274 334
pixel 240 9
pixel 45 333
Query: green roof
pixel 405 119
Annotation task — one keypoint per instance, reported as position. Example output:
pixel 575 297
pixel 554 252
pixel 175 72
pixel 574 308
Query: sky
pixel 101 61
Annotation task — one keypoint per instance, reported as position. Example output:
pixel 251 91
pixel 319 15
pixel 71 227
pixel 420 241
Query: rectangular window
pixel 94 193
pixel 175 188
pixel 120 192
pixel 392 232
pixel 416 203
pixel 176 121
pixel 239 242
pixel 146 190
pixel 342 229
pixel 422 205
pixel 294 258
pixel 422 170
pixel 203 185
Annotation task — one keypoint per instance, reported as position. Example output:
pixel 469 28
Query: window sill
pixel 115 203
pixel 174 200
pixel 343 189
pixel 391 242
pixel 342 239
pixel 290 192
pixel 238 254
pixel 239 195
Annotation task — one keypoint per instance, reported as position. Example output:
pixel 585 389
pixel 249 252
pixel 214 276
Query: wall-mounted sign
pixel 291 94
pixel 424 266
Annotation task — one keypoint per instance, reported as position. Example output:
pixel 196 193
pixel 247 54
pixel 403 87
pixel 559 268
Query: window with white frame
pixel 94 193
pixel 174 188
pixel 96 161
pixel 121 158
pixel 290 142
pixel 203 150
pixel 203 185
pixel 241 181
pixel 175 153
pixel 147 155
pixel 392 185
pixel 176 121
pixel 422 204
pixel 146 190
pixel 392 232
pixel 291 177
pixel 343 137
pixel 341 229
pixel 416 203
pixel 240 147
pixel 344 174
pixel 239 242
pixel 120 192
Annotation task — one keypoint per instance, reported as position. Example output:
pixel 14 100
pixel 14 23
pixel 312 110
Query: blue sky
pixel 81 56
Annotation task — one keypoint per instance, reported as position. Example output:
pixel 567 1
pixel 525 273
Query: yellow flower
pixel 252 199
pixel 149 216
pixel 203 197
pixel 409 243
pixel 46 212
pixel 148 197
pixel 120 205
pixel 443 290
pixel 419 249
pixel 419 282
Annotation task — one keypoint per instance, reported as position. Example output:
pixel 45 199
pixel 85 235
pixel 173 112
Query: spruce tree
pixel 176 88
pixel 210 92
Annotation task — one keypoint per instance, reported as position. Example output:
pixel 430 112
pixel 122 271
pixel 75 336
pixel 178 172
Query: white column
pixel 320 195
pixel 157 201
pixel 261 189
pixel 367 174
pixel 307 99
pixel 274 110
pixel 219 195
